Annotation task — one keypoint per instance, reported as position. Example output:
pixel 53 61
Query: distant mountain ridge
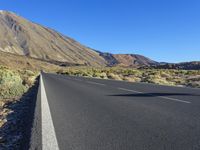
pixel 194 65
pixel 22 37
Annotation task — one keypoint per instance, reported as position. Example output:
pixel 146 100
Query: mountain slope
pixel 22 37
pixel 19 36
pixel 133 60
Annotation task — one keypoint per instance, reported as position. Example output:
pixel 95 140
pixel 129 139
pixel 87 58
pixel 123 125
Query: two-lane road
pixel 93 114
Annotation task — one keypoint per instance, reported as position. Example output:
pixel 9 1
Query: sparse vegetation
pixel 170 77
pixel 13 84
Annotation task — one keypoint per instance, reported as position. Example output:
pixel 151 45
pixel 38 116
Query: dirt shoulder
pixel 17 101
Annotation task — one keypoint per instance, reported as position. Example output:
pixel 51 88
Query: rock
pixel 2 122
pixel 2 103
pixel 2 140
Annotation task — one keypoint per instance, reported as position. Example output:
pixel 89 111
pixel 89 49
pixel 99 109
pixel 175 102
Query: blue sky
pixel 164 30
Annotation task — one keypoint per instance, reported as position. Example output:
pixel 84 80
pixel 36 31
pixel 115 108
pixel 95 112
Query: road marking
pixel 49 140
pixel 174 99
pixel 95 83
pixel 163 97
pixel 129 90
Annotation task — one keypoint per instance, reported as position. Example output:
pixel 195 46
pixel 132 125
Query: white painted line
pixel 163 97
pixel 129 90
pixel 95 83
pixel 174 99
pixel 49 140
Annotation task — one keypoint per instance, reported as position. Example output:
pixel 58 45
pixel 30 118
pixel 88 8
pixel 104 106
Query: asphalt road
pixel 94 114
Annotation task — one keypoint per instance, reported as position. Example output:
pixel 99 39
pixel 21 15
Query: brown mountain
pixel 22 37
pixel 19 36
pixel 127 60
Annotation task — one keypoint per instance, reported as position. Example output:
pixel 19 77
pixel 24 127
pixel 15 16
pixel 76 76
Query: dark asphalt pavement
pixel 94 114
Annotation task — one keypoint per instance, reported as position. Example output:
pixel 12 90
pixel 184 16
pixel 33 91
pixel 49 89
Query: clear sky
pixel 164 30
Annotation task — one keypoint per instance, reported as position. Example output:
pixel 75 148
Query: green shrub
pixel 11 84
pixel 15 83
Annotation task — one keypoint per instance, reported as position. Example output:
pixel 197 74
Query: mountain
pixel 194 65
pixel 127 60
pixel 22 37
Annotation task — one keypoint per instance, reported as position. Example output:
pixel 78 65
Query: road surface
pixel 94 114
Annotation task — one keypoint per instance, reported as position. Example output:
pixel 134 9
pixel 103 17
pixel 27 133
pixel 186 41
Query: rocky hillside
pixel 133 60
pixel 22 37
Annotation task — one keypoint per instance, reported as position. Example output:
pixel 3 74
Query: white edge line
pixel 49 140
pixel 163 97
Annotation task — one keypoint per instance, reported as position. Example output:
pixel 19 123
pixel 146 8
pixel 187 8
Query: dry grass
pixel 158 76
pixel 26 63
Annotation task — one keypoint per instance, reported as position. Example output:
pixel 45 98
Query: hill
pixel 22 37
pixel 127 60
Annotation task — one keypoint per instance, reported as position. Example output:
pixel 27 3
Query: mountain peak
pixel 2 11
pixel 5 11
